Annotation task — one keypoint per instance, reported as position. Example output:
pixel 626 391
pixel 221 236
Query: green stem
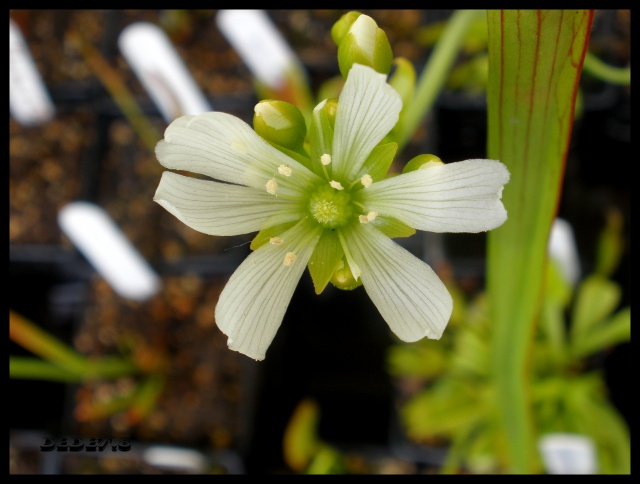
pixel 605 72
pixel 63 363
pixel 435 73
pixel 28 368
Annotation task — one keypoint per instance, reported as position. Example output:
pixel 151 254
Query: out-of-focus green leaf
pixel 596 299
pixel 535 61
pixel 609 333
pixel 444 409
pixel 301 441
pixel 610 244
pixel 422 360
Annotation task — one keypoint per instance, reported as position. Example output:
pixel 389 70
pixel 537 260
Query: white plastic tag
pixel 259 43
pixel 29 101
pixel 564 453
pixel 564 250
pixel 104 245
pixel 161 70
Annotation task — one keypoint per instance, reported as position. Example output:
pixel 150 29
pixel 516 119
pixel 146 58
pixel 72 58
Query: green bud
pixel 280 123
pixel 422 162
pixel 367 44
pixel 343 278
pixel 342 26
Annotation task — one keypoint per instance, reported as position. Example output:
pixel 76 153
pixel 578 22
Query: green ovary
pixel 331 208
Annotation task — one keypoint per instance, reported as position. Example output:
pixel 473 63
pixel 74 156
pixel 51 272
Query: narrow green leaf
pixel 535 61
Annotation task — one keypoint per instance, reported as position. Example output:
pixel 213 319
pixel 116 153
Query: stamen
pixel 366 180
pixel 336 185
pixel 370 217
pixel 325 159
pixel 289 259
pixel 272 186
pixel 285 170
pixel 275 240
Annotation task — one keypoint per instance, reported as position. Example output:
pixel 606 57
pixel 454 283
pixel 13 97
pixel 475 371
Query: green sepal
pixel 379 161
pixel 321 134
pixel 421 162
pixel 392 227
pixel 342 26
pixel 264 235
pixel 299 157
pixel 325 260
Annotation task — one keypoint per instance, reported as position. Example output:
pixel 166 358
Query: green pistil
pixel 331 208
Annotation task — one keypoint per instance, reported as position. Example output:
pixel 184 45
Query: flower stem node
pixel 329 207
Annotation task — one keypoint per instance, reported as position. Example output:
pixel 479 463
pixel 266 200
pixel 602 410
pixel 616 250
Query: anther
pixel 275 240
pixel 325 159
pixel 289 259
pixel 272 186
pixel 366 180
pixel 336 185
pixel 285 170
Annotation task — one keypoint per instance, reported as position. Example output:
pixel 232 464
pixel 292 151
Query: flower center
pixel 331 207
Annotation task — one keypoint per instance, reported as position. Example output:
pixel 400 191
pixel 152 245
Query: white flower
pixel 336 217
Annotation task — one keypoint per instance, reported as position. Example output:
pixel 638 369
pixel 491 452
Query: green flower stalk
pixel 333 211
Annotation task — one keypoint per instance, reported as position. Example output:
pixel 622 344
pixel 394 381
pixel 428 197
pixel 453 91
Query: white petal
pixel 455 197
pixel 224 147
pixel 409 295
pixel 253 303
pixel 221 209
pixel 368 109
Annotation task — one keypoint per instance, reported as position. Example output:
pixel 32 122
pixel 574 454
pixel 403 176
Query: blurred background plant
pixel 137 375
pixel 447 395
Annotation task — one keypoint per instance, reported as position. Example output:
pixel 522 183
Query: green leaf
pixel 325 260
pixel 596 299
pixel 446 408
pixel 604 335
pixel 535 61
pixel 610 244
pixel 417 360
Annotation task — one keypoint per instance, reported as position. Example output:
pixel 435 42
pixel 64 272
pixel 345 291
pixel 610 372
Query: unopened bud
pixel 280 122
pixel 364 43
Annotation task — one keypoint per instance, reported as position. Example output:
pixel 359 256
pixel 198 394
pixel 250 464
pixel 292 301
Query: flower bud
pixel 342 26
pixel 422 162
pixel 280 123
pixel 343 278
pixel 364 43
